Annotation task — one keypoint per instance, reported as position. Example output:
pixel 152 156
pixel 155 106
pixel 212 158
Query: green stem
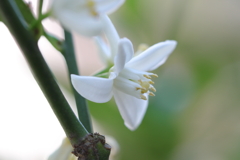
pixel 18 28
pixel 69 55
pixel 39 20
pixel 40 4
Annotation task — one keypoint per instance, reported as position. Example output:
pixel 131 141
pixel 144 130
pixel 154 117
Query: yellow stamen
pixel 154 75
pixel 91 6
pixel 93 12
pixel 143 97
pixel 144 90
pixel 146 76
pixel 151 94
pixel 153 89
pixel 90 3
pixel 151 82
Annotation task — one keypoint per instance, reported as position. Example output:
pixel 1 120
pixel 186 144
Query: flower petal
pixel 159 64
pixel 95 89
pixel 104 50
pixel 131 109
pixel 77 18
pixel 108 6
pixel 111 34
pixel 81 16
pixel 153 57
pixel 124 54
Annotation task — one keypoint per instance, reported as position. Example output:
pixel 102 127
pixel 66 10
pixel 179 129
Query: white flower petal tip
pixel 131 109
pixel 153 57
pixel 95 89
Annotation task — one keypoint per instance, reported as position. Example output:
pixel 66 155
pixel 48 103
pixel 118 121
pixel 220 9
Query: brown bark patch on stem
pixel 92 147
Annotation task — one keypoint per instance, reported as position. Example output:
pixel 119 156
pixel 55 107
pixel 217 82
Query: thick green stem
pixel 69 55
pixel 18 28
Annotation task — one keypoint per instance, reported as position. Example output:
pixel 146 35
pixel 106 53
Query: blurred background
pixel 195 114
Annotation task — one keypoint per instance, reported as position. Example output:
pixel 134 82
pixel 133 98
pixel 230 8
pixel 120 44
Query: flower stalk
pixel 69 55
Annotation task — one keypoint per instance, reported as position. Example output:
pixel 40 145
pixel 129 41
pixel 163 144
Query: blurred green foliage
pixel 195 114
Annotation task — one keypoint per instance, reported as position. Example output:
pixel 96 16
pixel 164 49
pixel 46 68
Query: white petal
pixel 159 64
pixel 153 57
pixel 104 50
pixel 111 34
pixel 131 109
pixel 108 6
pixel 75 16
pixel 95 89
pixel 124 54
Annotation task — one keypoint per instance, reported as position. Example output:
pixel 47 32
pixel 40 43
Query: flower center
pixel 91 6
pixel 135 83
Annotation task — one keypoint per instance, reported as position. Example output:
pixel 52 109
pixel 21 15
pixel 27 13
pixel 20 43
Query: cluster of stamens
pixel 147 86
pixel 91 6
pixel 134 82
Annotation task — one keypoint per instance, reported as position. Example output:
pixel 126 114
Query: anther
pixel 143 97
pixel 93 12
pixel 154 75
pixel 153 89
pixel 137 88
pixel 146 76
pixel 90 3
pixel 151 82
pixel 91 6
pixel 143 90
pixel 151 94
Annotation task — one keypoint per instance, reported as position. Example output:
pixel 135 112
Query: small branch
pixel 40 4
pixel 69 55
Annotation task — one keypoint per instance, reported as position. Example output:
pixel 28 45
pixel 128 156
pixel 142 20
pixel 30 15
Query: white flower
pixel 83 16
pixel 129 82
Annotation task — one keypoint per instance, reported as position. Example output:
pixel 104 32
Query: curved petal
pixel 95 89
pixel 159 64
pixel 124 54
pixel 131 109
pixel 153 57
pixel 108 6
pixel 104 50
pixel 80 21
pixel 111 34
